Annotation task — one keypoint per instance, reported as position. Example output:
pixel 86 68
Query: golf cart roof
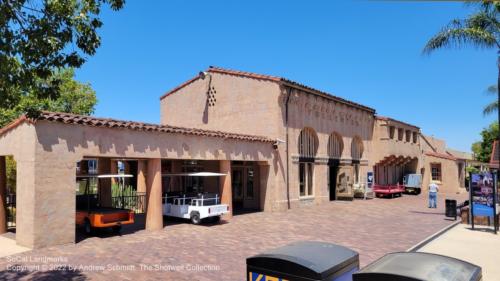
pixel 115 176
pixel 197 174
pixel 105 176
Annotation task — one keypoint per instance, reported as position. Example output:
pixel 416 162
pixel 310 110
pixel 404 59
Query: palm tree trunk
pixel 498 106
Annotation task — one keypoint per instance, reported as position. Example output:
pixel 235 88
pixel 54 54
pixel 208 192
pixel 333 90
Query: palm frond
pixel 481 29
pixel 484 5
pixel 490 108
pixel 459 35
pixel 484 20
pixel 492 90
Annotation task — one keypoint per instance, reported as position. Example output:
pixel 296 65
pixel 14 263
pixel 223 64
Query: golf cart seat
pixel 86 201
pixel 210 198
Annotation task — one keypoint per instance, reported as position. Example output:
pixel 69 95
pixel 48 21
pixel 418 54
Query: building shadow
pixel 138 225
pixel 482 228
pixel 169 221
pixel 428 213
pixel 245 211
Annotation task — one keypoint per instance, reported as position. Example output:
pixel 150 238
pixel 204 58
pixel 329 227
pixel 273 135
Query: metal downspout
pixel 289 92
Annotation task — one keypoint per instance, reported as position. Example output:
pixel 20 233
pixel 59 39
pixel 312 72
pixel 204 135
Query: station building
pixel 280 143
pixel 320 140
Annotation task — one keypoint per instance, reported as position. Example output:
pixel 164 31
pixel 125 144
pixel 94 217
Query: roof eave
pixel 181 86
pixel 14 124
pixel 291 84
pixel 385 118
pixel 109 123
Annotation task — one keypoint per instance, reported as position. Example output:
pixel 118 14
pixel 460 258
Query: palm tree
pixel 492 106
pixel 480 30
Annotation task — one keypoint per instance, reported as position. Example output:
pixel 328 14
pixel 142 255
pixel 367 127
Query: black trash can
pixel 304 261
pixel 451 208
pixel 418 267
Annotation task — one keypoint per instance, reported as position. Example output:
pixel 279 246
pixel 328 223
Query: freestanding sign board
pixel 483 197
pixel 369 185
pixel 369 179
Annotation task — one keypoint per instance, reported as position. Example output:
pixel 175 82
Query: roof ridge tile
pixel 84 120
pixel 276 79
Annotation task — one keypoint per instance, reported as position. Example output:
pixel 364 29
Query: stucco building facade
pixel 344 140
pixel 323 142
pixel 441 166
pixel 280 144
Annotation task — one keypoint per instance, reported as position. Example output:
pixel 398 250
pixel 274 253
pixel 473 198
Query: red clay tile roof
pixel 441 155
pixel 394 120
pixel 74 119
pixel 244 74
pixel 13 124
pixel 281 80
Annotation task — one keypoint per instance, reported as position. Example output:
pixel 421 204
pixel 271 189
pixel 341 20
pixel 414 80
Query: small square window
pixel 400 134
pixel 436 171
pixel 391 132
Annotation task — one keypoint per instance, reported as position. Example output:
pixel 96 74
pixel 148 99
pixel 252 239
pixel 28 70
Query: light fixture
pixel 277 142
pixel 203 74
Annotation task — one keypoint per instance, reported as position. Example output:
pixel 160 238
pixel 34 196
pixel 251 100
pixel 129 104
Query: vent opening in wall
pixel 211 96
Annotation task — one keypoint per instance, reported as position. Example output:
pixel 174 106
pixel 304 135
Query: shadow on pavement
pixel 427 213
pixel 128 229
pixel 482 228
pixel 138 225
pixel 175 221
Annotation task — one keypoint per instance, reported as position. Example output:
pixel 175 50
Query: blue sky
pixel 365 51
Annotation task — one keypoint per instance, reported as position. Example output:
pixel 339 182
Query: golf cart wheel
pixel 195 218
pixel 117 228
pixel 216 219
pixel 87 227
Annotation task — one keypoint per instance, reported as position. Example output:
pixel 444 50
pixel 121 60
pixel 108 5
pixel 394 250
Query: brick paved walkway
pixel 372 227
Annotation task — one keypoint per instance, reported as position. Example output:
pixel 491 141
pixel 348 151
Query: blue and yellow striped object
pixel 252 276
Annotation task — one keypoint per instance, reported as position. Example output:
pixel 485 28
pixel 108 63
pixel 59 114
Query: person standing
pixel 433 190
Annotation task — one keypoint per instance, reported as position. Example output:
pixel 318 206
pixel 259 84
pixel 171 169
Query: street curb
pixel 432 237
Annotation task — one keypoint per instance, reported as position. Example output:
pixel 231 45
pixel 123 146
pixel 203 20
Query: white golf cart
pixel 413 183
pixel 194 206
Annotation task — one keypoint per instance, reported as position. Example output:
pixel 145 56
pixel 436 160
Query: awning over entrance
pixel 395 160
pixel 391 169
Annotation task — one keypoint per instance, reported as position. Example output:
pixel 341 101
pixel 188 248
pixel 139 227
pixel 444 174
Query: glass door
pixel 237 178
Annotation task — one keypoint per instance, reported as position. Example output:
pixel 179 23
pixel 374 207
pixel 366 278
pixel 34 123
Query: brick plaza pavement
pixel 182 251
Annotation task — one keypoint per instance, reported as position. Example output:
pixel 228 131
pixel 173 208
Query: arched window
pixel 308 146
pixel 356 148
pixel 308 143
pixel 335 146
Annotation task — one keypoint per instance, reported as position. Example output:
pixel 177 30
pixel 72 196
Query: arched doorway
pixel 357 150
pixel 334 149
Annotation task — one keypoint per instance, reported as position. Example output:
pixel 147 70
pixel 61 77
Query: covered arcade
pixel 47 149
